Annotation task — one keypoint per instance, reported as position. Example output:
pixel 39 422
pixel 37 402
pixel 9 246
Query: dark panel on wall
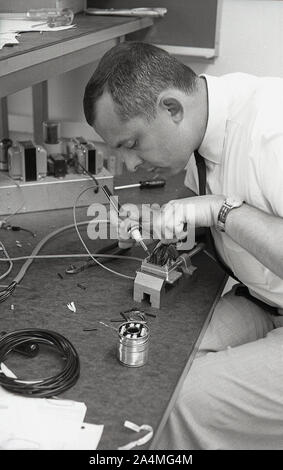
pixel 188 23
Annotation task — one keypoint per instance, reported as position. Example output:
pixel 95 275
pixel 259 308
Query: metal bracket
pixel 152 279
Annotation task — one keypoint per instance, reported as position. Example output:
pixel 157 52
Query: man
pixel 156 110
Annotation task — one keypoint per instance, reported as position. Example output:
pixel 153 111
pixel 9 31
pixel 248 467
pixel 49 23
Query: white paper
pixel 87 438
pixel 20 26
pixel 8 38
pixel 10 28
pixel 44 424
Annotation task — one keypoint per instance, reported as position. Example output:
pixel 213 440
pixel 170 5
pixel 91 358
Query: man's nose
pixel 132 161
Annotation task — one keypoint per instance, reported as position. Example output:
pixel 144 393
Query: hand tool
pixel 148 184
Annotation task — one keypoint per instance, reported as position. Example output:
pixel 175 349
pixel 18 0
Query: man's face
pixel 161 143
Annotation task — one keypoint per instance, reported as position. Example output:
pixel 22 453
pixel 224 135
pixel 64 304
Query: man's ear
pixel 173 106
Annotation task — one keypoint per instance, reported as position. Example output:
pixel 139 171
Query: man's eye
pixel 132 145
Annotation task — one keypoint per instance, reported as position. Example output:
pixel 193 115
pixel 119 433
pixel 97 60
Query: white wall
pixel 251 40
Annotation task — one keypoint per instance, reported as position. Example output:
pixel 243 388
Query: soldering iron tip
pixel 145 247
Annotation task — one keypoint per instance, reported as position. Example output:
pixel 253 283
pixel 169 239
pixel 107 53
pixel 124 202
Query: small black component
pixel 150 315
pixel 91 156
pixel 27 349
pixel 81 286
pixel 51 131
pixel 29 160
pixel 57 165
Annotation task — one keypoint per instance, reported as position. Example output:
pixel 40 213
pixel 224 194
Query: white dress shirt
pixel 243 151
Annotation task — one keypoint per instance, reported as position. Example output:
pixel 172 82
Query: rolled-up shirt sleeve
pixel 271 174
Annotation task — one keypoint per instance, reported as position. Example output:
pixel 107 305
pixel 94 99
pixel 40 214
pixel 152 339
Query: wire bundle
pixel 49 386
pixel 7 291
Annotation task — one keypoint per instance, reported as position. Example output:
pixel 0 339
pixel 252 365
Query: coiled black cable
pixel 49 386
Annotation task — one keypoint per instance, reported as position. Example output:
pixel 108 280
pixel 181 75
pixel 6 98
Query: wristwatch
pixel 230 203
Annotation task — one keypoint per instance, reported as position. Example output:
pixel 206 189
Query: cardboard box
pixel 17 6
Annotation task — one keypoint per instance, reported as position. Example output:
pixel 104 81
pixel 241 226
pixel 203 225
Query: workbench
pixel 112 392
pixel 41 56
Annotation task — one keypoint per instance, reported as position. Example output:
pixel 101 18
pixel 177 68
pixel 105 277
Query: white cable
pixel 142 440
pixel 83 243
pixel 74 255
pixel 7 259
pixel 36 250
pixel 38 247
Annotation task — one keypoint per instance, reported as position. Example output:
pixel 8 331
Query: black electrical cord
pixel 48 386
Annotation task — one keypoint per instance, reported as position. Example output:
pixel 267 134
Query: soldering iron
pixel 135 230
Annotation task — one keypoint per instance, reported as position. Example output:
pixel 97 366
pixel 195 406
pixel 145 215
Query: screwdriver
pixel 149 184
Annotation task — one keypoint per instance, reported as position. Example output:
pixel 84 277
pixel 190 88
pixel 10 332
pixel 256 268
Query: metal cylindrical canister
pixel 5 144
pixel 133 344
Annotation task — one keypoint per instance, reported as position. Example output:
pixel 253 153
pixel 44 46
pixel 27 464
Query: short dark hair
pixel 135 73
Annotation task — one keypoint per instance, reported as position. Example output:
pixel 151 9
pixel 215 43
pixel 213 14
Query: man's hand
pixel 173 221
pixel 199 211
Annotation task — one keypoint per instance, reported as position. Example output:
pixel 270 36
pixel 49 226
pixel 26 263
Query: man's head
pixel 145 102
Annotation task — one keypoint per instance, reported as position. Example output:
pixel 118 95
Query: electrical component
pixel 87 156
pixel 57 165
pixel 51 385
pixel 15 228
pixel 164 254
pixel 153 279
pixel 5 144
pixel 48 193
pixel 27 162
pixel 51 137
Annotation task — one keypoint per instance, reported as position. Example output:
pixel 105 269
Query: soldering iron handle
pixel 109 195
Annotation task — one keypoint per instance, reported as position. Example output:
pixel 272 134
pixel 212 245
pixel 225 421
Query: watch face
pixel 234 201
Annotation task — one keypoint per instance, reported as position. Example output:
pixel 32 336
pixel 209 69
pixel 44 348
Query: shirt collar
pixel 212 145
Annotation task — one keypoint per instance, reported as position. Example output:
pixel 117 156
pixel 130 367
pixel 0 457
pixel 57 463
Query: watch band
pixel 226 207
